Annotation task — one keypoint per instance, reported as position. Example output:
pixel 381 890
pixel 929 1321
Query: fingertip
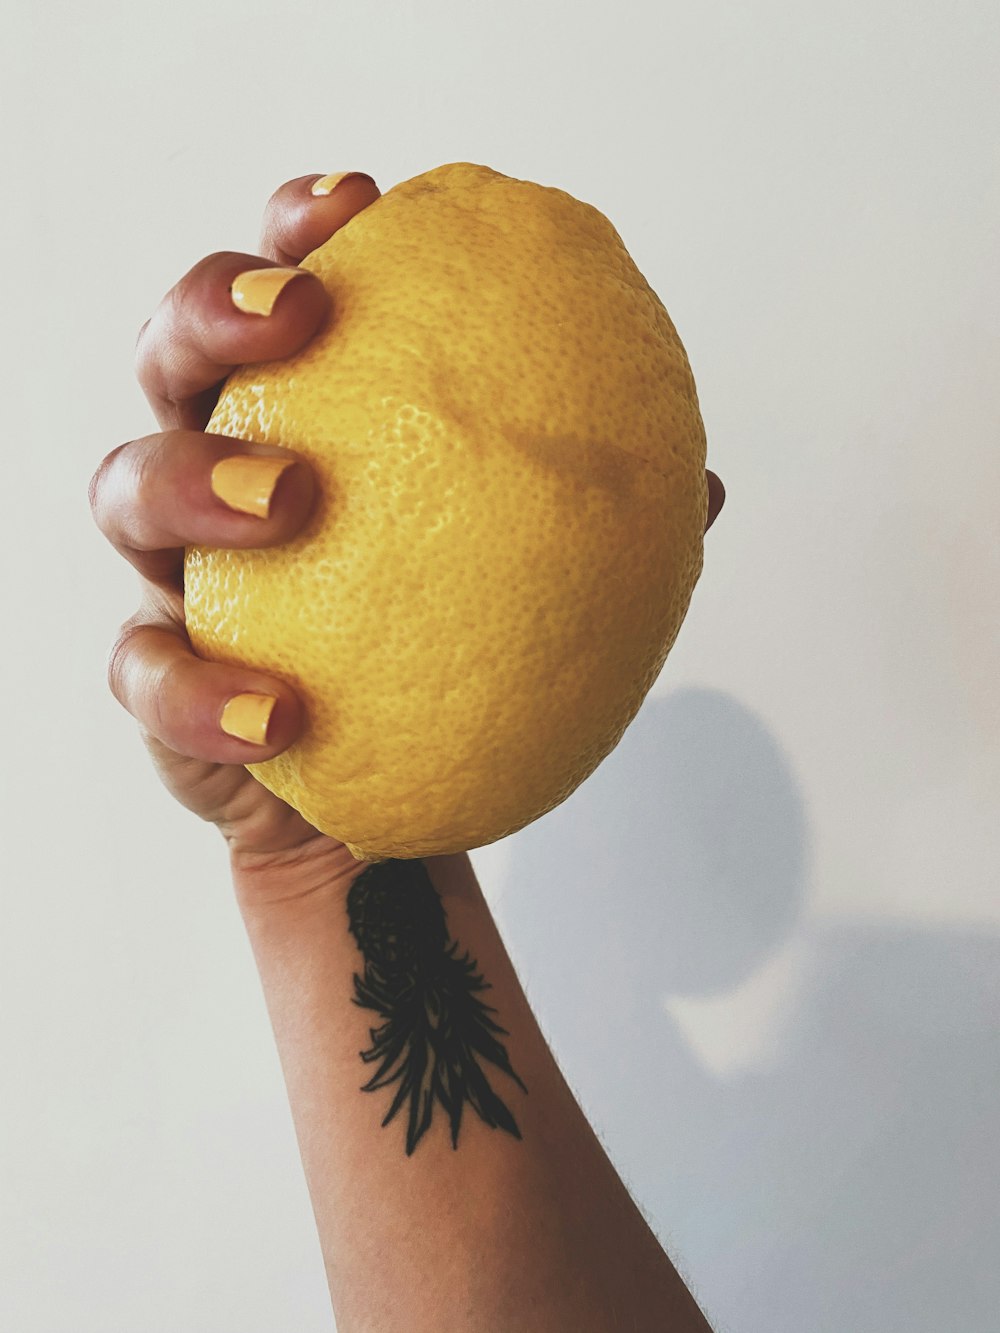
pixel 304 213
pixel 212 711
pixel 230 309
pixel 258 719
pixel 716 498
pixel 277 308
pixel 324 186
pixel 247 716
pixel 256 291
pixel 292 499
pixel 272 493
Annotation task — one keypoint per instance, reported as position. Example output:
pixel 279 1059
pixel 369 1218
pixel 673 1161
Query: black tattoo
pixel 435 1025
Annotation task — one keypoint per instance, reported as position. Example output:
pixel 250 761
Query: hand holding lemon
pixel 415 564
pixel 441 534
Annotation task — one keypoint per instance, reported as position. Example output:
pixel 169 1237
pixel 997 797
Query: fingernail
pixel 246 716
pixel 327 184
pixel 256 291
pixel 246 482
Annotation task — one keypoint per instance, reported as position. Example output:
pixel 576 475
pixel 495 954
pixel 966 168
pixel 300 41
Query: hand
pixel 153 496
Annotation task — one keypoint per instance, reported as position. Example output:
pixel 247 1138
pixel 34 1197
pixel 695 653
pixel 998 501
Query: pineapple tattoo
pixel 436 1029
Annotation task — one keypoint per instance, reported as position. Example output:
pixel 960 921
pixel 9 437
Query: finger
pixel 230 309
pixel 716 498
pixel 304 213
pixel 154 496
pixel 204 710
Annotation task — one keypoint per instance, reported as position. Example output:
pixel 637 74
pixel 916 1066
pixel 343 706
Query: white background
pixel 764 938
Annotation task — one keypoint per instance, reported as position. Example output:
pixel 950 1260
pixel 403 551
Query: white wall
pixel 765 937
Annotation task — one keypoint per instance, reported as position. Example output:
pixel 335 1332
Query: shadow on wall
pixel 833 1176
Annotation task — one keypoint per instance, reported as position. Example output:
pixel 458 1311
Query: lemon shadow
pixel 847 1178
pixel 679 863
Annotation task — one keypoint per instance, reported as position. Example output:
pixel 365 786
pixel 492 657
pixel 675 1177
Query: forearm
pixel 510 1218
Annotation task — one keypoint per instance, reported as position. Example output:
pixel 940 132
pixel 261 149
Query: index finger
pixel 200 332
pixel 304 213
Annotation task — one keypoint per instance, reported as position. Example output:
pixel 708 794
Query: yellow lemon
pixel 511 463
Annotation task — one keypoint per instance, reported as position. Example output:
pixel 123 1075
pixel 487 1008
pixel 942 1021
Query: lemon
pixel 506 438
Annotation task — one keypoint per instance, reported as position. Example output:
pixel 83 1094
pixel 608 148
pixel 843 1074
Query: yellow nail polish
pixel 246 482
pixel 327 184
pixel 246 716
pixel 256 291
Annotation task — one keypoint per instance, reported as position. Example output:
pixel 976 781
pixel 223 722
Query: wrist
pixel 315 870
pixel 320 871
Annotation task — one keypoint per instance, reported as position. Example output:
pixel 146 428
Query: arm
pixel 523 1223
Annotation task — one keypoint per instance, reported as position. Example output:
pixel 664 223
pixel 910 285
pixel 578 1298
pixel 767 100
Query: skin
pixel 151 497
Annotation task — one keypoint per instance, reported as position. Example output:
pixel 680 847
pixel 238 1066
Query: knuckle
pixel 141 354
pixel 134 655
pixel 121 658
pixel 152 473
pixel 171 689
pixel 98 483
pixel 139 337
pixel 146 357
pixel 143 480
